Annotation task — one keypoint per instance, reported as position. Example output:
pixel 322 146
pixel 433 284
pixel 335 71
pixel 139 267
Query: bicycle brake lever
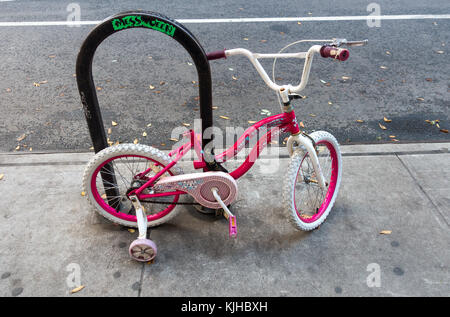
pixel 340 42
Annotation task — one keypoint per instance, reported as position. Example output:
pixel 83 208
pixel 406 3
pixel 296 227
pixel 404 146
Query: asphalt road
pixel 403 74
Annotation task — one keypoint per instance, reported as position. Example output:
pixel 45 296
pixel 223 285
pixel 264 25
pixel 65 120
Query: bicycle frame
pixel 286 122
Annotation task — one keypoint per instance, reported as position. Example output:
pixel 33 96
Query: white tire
pixel 300 179
pixel 115 151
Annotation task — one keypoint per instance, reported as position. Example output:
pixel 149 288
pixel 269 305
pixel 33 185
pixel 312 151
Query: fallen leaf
pixel 385 231
pixel 113 123
pixel 99 88
pixel 173 139
pixel 83 194
pixel 383 67
pixel 20 138
pixel 157 91
pixel 36 84
pixel 345 77
pixel 359 121
pixel 245 38
pixel 215 108
pixel 136 141
pixel 440 52
pixel 193 81
pixel 312 115
pixel 8 89
pixel 299 23
pixel 301 124
pixel 31 149
pixel 144 133
pixel 323 81
pixel 382 126
pixel 162 83
pixel 163 144
pixel 2 176
pixel 151 87
pixel 251 121
pixel 190 64
pixel 330 103
pixel 444 130
pixel 17 148
pixel 104 196
pixel 224 117
pixel 149 125
pixel 234 77
pixel 77 289
pixel 387 120
pixel 428 79
pixel 263 41
pixel 420 99
pixel 388 53
pixel 392 136
pixel 438 126
pixel 131 230
pixel 186 124
pixel 395 140
pixel 52 56
pixel 109 130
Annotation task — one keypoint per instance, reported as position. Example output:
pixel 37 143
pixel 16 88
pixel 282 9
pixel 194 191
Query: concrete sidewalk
pixel 48 232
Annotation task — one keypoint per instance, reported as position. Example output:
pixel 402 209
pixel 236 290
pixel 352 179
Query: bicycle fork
pixel 308 145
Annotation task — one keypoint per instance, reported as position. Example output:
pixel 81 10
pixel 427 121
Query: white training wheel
pixel 143 250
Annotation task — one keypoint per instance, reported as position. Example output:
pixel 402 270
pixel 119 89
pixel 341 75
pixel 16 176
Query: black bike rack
pixel 85 81
pixel 138 19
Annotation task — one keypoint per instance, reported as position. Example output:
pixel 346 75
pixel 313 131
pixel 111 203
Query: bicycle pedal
pixel 232 223
pixel 232 227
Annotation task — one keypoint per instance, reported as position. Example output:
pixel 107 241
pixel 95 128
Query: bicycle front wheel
pixel 306 203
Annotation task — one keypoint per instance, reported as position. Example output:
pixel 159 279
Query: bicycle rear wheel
pixel 113 172
pixel 306 203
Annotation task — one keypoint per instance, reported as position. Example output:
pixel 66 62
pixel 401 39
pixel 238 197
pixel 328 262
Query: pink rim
pixel 331 187
pixel 119 214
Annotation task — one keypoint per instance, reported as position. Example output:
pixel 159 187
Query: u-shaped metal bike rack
pixel 85 81
pixel 138 19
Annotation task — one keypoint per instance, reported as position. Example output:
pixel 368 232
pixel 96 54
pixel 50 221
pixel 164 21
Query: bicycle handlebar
pixel 341 54
pixel 216 55
pixel 331 50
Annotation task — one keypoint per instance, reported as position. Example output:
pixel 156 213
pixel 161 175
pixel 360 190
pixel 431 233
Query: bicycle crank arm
pixel 232 226
pixel 140 216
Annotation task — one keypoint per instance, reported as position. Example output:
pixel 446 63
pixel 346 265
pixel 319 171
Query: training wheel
pixel 143 250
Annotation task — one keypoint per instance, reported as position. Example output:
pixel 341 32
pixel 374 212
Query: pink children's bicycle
pixel 140 186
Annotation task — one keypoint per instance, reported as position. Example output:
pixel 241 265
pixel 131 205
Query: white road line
pixel 248 20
